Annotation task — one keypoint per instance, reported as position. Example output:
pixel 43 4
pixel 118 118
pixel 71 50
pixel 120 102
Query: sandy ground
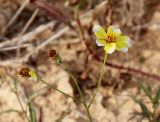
pixel 114 101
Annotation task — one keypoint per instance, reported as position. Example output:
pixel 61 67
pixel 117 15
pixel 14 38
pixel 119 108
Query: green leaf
pixel 157 97
pixel 32 112
pixel 145 110
pixel 146 89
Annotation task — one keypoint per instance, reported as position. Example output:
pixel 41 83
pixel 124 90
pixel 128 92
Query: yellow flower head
pixel 112 39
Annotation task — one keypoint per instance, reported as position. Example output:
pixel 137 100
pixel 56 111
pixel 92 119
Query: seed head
pixel 52 54
pixel 24 72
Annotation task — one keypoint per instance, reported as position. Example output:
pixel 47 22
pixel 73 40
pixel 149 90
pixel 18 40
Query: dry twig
pixel 25 29
pixel 16 14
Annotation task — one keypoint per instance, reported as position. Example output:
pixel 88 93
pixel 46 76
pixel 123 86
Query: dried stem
pixel 24 30
pixel 16 14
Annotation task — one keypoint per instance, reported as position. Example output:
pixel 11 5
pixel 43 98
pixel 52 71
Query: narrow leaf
pixel 157 97
pixel 146 89
pixel 32 112
pixel 145 110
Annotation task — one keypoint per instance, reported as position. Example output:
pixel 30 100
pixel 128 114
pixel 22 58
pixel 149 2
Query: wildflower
pixel 26 72
pixel 53 54
pixel 112 39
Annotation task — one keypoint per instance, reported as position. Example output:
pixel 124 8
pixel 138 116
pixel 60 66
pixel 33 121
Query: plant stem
pixel 99 81
pixel 79 90
pixel 10 110
pixel 59 90
pixel 19 101
pixel 17 95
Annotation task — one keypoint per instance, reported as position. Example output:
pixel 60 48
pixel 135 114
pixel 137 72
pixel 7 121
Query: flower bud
pixel 54 56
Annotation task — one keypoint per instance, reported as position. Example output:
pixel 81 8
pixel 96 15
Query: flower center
pixel 110 38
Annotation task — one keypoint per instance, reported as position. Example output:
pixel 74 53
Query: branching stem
pixel 100 80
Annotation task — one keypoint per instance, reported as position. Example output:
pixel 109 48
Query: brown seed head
pixel 24 72
pixel 52 54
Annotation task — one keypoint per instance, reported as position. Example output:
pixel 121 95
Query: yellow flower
pixel 112 39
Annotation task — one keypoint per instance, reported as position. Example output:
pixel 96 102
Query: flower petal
pixel 110 48
pixel 99 31
pixel 33 75
pixel 128 41
pixel 101 42
pixel 124 49
pixel 123 42
pixel 114 29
